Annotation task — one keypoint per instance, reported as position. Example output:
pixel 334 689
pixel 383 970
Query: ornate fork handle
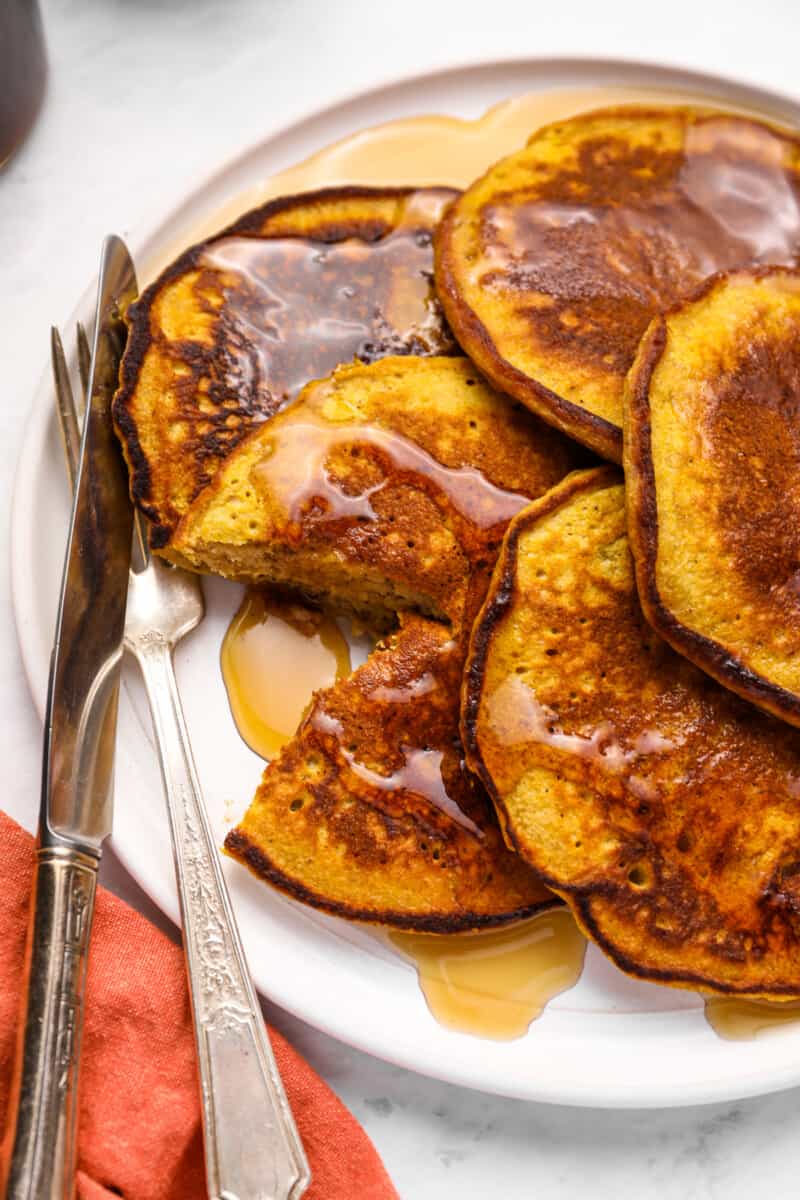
pixel 253 1151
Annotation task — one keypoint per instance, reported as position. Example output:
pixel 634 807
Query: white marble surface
pixel 147 95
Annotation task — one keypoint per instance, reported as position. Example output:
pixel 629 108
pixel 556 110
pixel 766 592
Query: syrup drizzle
pixel 422 686
pixel 724 211
pixel 295 309
pixel 275 654
pixel 420 775
pixel 516 716
pixel 742 1020
pixel 493 984
pixel 294 469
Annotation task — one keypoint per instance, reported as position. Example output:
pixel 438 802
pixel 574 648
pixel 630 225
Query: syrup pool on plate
pixel 742 1020
pixel 428 150
pixel 493 984
pixel 276 653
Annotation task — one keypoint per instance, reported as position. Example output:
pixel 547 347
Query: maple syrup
pixel 294 468
pixel 516 716
pixel 432 150
pixel 420 775
pixel 276 653
pixel 742 1020
pixel 295 308
pixel 625 243
pixel 493 984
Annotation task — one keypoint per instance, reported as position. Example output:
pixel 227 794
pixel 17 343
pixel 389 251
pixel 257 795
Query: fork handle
pixel 252 1148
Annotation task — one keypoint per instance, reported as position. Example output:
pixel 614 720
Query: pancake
pixel 712 464
pixel 369 812
pixel 551 266
pixel 385 487
pixel 232 330
pixel 663 808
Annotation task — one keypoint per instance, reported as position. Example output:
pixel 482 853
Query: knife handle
pixel 44 1147
pixel 252 1148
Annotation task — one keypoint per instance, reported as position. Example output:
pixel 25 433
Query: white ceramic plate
pixel 609 1041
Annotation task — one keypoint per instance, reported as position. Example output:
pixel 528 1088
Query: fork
pixel 252 1148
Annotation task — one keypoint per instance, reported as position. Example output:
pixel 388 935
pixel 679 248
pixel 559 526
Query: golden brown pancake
pixel 712 465
pixel 233 329
pixel 385 487
pixel 369 812
pixel 663 808
pixel 551 266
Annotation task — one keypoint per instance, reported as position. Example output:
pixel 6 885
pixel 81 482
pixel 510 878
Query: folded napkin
pixel 140 1112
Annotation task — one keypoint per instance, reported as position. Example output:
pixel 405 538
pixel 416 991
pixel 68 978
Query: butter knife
pixel 252 1148
pixel 77 777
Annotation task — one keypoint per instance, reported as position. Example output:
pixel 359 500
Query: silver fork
pixel 252 1148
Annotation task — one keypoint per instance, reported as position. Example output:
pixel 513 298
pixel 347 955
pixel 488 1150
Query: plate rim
pixel 22 577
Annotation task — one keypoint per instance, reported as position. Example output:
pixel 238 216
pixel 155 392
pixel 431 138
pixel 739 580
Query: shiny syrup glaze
pixel 700 879
pixel 516 717
pixel 271 639
pixel 419 776
pixel 742 1020
pixel 493 984
pixel 624 232
pixel 710 208
pixel 294 309
pixel 405 695
pixel 294 468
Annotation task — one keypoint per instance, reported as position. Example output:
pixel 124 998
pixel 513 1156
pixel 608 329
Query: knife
pixel 78 769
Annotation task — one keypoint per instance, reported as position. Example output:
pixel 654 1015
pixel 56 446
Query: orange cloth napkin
pixel 140 1114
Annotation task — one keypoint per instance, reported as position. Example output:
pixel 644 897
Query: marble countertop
pixel 158 91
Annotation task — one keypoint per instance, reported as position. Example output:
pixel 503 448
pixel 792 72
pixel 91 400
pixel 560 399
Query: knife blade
pixel 77 776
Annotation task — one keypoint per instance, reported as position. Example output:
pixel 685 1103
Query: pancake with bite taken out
pixel 383 489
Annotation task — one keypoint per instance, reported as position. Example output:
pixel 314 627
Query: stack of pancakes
pixel 393 401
